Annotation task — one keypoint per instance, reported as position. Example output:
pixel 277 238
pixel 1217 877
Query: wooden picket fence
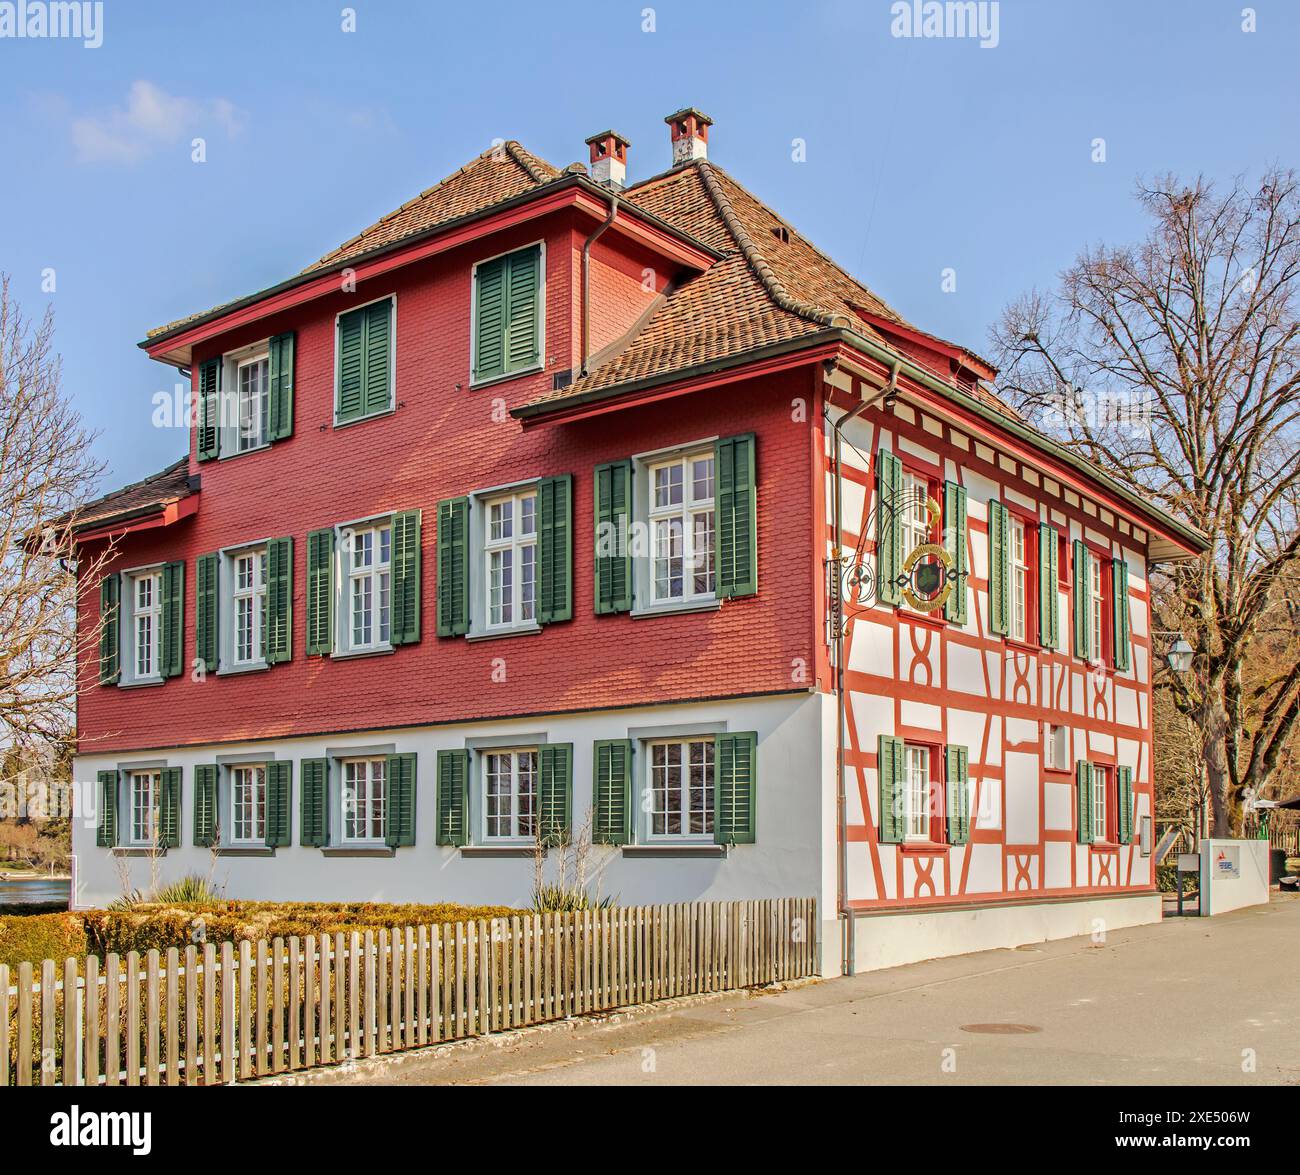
pixel 209 1015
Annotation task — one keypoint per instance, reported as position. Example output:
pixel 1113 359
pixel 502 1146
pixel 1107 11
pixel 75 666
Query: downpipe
pixel 586 278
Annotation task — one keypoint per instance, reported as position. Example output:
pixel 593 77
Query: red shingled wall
pixel 444 441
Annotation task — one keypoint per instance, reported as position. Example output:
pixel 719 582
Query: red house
pixel 545 508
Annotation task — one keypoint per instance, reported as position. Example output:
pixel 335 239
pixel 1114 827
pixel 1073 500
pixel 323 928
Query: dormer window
pixel 245 398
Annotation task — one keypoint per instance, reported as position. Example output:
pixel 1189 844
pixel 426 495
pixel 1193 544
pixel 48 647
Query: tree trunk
pixel 1214 728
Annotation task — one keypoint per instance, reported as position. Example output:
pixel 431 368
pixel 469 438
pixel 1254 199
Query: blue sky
pixel 921 154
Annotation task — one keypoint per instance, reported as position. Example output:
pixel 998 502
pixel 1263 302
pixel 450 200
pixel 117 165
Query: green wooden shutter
pixel 954 542
pixel 320 592
pixel 523 291
pixel 110 648
pixel 889 529
pixel 406 578
pixel 453 797
pixel 277 627
pixel 453 566
pixel 613 560
pixel 555 549
pixel 1049 621
pixel 737 510
pixel 169 809
pixel 351 344
pixel 378 363
pixel 106 828
pixel 1082 590
pixel 1119 590
pixel 173 619
pixel 999 568
pixel 279 804
pixel 1083 799
pixel 889 773
pixel 1124 796
pixel 612 792
pixel 490 319
pixel 205 805
pixel 281 381
pixel 206 570
pixel 209 414
pixel 555 793
pixel 399 802
pixel 735 788
pixel 314 823
pixel 957 764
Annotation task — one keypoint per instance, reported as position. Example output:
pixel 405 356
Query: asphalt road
pixel 1187 1001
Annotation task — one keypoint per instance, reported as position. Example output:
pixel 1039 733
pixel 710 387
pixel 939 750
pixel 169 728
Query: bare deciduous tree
pixel 46 472
pixel 1174 364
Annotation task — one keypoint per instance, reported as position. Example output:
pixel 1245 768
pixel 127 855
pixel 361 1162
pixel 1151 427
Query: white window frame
pixel 230 443
pixel 515 774
pixel 345 574
pixel 1096 619
pixel 915 519
pixel 128 634
pixel 1097 776
pixel 257 835
pixel 680 789
pixel 256 596
pixel 516 545
pixel 375 772
pixel 1019 539
pixel 917 783
pixel 690 509
pixel 474 381
pixel 146 835
pixel 392 363
pixel 1055 749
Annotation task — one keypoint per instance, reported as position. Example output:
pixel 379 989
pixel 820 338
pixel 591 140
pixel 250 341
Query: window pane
pixel 702 479
pixel 528 514
pixel 668 485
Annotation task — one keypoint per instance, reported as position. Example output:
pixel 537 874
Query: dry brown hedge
pixel 29 938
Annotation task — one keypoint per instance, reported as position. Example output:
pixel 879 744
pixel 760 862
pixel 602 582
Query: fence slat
pixel 71 1022
pixel 210 1034
pixel 294 1017
pixel 132 1018
pixel 90 1062
pixel 309 997
pixel 277 1006
pixel 408 990
pixel 24 1024
pixel 191 1015
pixel 112 1020
pixel 229 1043
pixel 173 1035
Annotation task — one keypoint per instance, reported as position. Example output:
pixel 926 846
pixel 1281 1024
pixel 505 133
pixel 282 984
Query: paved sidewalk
pixel 1175 1003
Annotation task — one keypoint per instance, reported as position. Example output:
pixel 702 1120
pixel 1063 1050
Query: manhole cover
pixel 1001 1029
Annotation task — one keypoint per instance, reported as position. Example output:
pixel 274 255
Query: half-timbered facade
pixel 552 508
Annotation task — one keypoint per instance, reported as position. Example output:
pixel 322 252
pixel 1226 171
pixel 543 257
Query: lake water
pixel 16 893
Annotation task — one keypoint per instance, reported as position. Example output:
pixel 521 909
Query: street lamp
pixel 1179 656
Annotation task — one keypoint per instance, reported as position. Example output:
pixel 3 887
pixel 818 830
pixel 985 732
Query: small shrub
pixel 558 898
pixel 29 938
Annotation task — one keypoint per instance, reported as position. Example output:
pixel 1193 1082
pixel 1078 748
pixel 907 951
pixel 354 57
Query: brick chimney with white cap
pixel 690 128
pixel 609 159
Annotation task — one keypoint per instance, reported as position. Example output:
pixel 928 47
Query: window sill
pixel 362 419
pixel 243 851
pixel 475 384
pixel 1024 646
pixel 244 452
pixel 1105 846
pixel 236 670
pixel 492 634
pixel 352 654
pixel 141 683
pixel 933 619
pixel 670 851
pixel 358 851
pixel 924 846
pixel 138 851
pixel 713 605
pixel 497 850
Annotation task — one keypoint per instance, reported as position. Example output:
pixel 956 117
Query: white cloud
pixel 151 119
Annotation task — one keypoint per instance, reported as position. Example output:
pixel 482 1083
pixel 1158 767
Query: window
pixel 364 361
pixel 681 789
pixel 1054 748
pixel 916 792
pixel 146 619
pixel 510 553
pixel 508 314
pixel 363 797
pixel 252 386
pixel 248 805
pixel 248 570
pixel 1096 607
pixel 1100 808
pixel 1019 579
pixel 369 586
pixel 682 523
pixel 915 512
pixel 145 792
pixel 510 795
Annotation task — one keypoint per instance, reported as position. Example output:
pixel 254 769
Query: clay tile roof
pixel 772 286
pixel 140 498
pixel 498 174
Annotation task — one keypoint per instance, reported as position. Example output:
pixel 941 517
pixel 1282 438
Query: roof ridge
pixel 518 152
pixel 755 259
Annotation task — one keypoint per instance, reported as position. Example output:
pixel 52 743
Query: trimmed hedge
pixel 29 938
pixel 148 926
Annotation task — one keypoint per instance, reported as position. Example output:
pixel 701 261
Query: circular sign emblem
pixel 926 582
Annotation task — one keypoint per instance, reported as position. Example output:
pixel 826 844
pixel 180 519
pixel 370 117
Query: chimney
pixel 690 130
pixel 609 159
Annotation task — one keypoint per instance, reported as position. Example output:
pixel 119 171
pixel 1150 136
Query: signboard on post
pixel 1189 862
